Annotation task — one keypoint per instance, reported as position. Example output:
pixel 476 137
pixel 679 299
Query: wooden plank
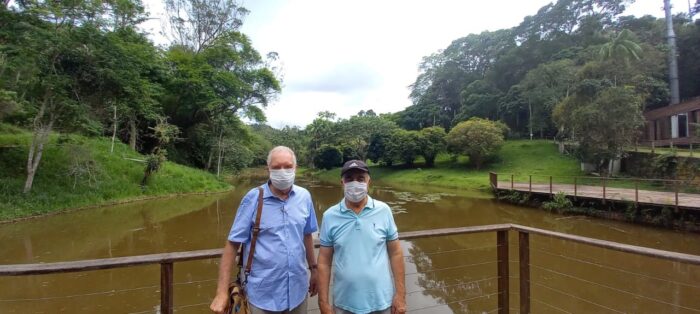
pixel 105 263
pixel 452 231
pixel 503 283
pixel 166 288
pixel 667 255
pixel 524 249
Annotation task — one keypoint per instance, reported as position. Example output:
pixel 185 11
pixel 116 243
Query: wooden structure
pixel 502 230
pixel 603 192
pixel 672 125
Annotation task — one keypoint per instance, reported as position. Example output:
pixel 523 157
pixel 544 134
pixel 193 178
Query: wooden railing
pixel 604 184
pixel 168 259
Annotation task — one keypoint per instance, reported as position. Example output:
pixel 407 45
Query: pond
pixel 455 274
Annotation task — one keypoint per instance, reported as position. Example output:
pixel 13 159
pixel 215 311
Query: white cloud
pixel 347 56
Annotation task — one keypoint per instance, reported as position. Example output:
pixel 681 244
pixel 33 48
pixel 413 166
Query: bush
pixel 558 203
pixel 328 157
pixel 476 138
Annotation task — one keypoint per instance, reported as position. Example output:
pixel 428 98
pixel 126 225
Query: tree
pixel 198 24
pixel 42 50
pixel 220 84
pixel 433 143
pixel 404 146
pixel 476 138
pixel 622 47
pixel 605 120
pixel 328 157
pixel 544 87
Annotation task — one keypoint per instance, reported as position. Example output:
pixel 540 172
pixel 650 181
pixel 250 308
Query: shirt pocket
pixel 378 232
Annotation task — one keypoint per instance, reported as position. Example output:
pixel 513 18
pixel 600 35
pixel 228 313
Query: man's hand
pixel 398 305
pixel 325 308
pixel 313 283
pixel 219 304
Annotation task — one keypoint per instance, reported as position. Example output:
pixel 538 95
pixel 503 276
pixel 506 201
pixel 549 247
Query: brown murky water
pixel 454 274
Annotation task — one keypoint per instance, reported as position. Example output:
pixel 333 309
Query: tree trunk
pixel 530 108
pixel 36 147
pixel 114 130
pixel 207 165
pixel 218 162
pixel 132 133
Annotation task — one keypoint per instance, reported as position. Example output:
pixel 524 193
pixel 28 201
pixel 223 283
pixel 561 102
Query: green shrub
pixel 558 203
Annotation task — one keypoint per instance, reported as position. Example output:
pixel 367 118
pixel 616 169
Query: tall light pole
pixel 672 55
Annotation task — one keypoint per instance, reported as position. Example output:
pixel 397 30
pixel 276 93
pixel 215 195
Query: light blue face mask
pixel 355 191
pixel 282 179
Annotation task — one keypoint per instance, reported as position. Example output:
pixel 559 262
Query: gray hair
pixel 281 149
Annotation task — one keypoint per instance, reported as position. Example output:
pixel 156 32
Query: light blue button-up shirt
pixel 362 281
pixel 279 279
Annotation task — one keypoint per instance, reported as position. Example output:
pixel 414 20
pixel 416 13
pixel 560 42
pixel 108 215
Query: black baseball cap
pixel 354 164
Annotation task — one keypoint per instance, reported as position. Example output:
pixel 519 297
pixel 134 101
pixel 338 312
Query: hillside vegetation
pixel 79 171
pixel 538 157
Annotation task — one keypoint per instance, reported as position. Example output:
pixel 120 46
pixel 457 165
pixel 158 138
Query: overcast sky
pixel 347 56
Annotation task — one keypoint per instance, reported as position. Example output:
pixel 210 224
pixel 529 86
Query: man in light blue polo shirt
pixel 360 239
pixel 278 281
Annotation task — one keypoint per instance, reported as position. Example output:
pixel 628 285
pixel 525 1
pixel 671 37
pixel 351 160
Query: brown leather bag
pixel 238 299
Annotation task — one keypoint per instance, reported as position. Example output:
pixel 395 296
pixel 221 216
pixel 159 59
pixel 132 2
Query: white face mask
pixel 282 179
pixel 355 191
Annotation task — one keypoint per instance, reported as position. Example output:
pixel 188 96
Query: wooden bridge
pixel 603 192
pixel 502 262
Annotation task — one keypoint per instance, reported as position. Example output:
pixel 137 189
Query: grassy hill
pixel 524 157
pixel 112 177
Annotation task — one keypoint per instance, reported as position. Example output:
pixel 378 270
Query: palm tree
pixel 623 47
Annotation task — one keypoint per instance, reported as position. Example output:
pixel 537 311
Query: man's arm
pixel 325 259
pixel 311 261
pixel 228 258
pixel 398 305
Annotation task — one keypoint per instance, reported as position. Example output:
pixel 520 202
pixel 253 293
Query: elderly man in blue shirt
pixel 360 239
pixel 278 281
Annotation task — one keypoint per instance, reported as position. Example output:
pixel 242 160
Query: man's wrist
pixel 313 267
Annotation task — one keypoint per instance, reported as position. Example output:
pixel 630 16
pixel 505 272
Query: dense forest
pixel 577 69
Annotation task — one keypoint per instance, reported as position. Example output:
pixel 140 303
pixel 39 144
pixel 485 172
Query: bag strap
pixel 256 231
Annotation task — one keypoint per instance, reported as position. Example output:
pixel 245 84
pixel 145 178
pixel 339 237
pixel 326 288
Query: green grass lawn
pixel 521 157
pixel 116 176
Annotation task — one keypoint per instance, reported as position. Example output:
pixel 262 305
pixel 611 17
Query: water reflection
pixel 445 275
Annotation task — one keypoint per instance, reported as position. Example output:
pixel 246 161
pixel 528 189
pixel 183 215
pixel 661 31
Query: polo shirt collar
pixel 267 192
pixel 368 205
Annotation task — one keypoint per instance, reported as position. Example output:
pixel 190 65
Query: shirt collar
pixel 368 205
pixel 267 192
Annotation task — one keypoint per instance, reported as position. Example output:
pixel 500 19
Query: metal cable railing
pixel 544 276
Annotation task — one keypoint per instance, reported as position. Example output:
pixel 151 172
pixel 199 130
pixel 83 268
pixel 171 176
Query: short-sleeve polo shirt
pixel 361 268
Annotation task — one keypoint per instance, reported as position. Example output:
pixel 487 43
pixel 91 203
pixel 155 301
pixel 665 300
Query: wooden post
pixel 530 187
pixel 676 190
pixel 603 190
pixel 691 149
pixel 636 192
pixel 575 188
pixel 493 177
pixel 502 256
pixel 524 239
pixel 550 187
pixel 166 288
pixel 652 147
pixel 512 184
